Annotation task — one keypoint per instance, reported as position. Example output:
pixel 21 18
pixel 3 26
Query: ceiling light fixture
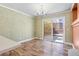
pixel 42 10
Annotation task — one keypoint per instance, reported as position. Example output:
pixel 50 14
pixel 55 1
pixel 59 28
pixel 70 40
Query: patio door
pixel 59 29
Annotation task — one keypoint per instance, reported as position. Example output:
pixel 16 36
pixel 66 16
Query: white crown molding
pixel 16 10
pixel 56 13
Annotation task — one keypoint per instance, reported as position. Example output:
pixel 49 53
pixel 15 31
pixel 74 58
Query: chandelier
pixel 42 10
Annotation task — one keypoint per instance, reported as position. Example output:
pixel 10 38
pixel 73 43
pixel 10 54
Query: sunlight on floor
pixel 54 38
pixel 59 39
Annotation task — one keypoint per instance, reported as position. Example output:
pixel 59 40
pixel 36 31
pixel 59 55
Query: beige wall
pixel 68 21
pixel 38 27
pixel 68 28
pixel 15 26
pixel 47 28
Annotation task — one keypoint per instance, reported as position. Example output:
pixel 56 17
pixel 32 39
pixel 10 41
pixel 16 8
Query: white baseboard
pixel 18 44
pixel 28 39
pixel 37 38
pixel 10 48
pixel 15 10
pixel 41 38
pixel 68 43
pixel 25 40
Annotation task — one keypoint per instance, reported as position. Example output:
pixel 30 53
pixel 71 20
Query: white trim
pixel 68 43
pixel 64 27
pixel 17 45
pixel 37 38
pixel 10 48
pixel 15 10
pixel 25 40
pixel 53 14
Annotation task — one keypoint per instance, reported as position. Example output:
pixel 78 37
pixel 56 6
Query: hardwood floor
pixel 38 47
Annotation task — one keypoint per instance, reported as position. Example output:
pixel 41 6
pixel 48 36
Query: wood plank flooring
pixel 38 47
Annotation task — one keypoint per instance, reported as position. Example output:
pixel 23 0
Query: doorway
pixel 59 29
pixel 48 32
pixel 54 30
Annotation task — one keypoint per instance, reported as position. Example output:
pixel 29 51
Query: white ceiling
pixel 34 8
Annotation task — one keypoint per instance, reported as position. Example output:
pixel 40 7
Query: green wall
pixel 16 26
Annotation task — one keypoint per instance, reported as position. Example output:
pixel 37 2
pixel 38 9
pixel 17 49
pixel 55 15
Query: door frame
pixel 52 26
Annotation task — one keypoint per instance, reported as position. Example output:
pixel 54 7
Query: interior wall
pixel 68 21
pixel 15 26
pixel 47 28
pixel 38 26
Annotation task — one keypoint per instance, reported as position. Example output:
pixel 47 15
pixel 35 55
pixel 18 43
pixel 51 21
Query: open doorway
pixel 47 27
pixel 54 30
pixel 59 29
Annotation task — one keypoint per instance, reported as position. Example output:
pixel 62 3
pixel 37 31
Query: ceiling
pixel 38 8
